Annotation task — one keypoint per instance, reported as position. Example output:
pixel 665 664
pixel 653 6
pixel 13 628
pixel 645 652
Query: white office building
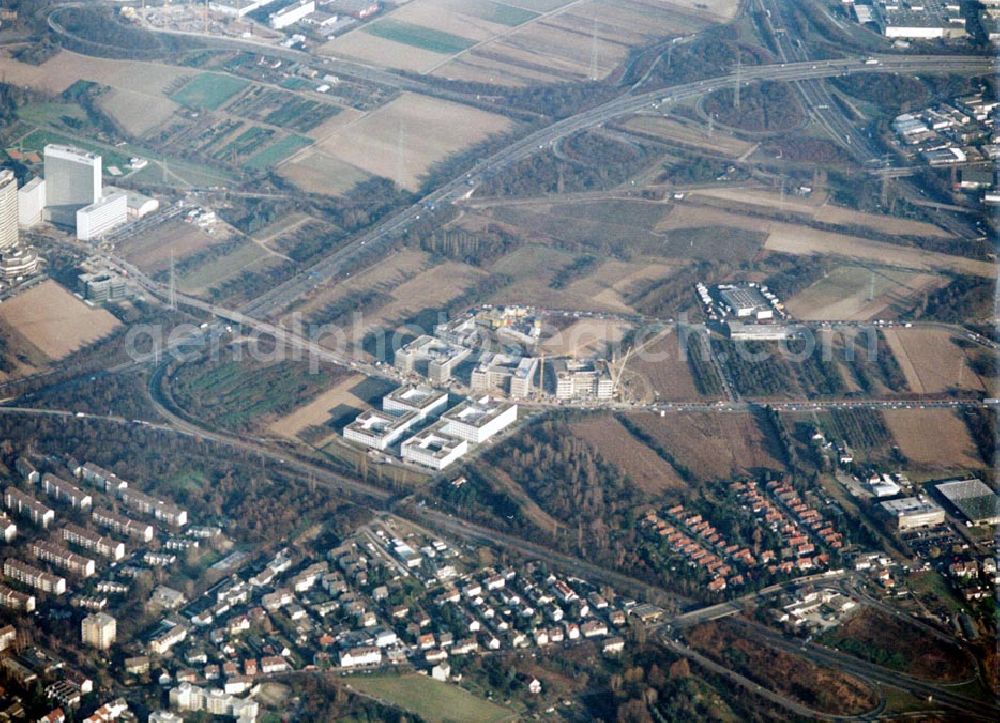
pixel 291 14
pixel 72 181
pixel 99 218
pixel 379 430
pixel 424 401
pixel 31 202
pixel 479 419
pixel 433 447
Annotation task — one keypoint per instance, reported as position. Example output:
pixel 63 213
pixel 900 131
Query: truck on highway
pixel 871 61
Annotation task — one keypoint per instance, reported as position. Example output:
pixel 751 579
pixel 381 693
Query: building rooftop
pixel 911 506
pixel 419 396
pixel 973 498
pixel 434 441
pixel 71 152
pixel 476 412
pixel 373 421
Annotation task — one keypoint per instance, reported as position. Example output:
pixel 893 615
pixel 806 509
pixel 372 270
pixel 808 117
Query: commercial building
pixel 479 419
pixel 18 261
pixel 102 216
pixel 98 630
pixel 291 14
pixel 63 558
pixel 582 379
pixel 138 204
pixel 237 8
pixel 8 210
pixel 27 506
pixel 910 513
pixel 378 429
pixel 430 357
pixel 928 20
pixel 746 302
pixel 72 182
pixel 422 400
pixel 758 332
pixel 510 375
pixel 33 577
pixel 979 504
pixel 433 447
pixel 100 544
pixel 103 286
pixel 31 202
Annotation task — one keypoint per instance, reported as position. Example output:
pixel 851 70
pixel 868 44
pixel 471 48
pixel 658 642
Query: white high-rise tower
pixel 72 181
pixel 8 210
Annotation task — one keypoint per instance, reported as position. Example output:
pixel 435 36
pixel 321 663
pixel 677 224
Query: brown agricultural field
pixel 404 138
pixel 618 447
pixel 151 250
pixel 711 446
pixel 139 100
pixel 586 338
pixel 662 370
pixel 54 321
pixel 931 361
pixel 845 293
pixel 933 439
pixel 314 171
pixel 317 411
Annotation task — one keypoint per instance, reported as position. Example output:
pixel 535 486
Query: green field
pixel 419 37
pixel 214 272
pixel 498 12
pixel 208 90
pixel 430 699
pixel 277 152
pixel 38 139
pixel 51 113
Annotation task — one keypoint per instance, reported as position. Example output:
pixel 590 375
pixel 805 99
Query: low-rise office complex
pixel 433 447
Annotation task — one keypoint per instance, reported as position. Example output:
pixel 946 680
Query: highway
pixel 336 264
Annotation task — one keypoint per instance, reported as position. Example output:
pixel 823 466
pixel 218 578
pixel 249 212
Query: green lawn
pixel 50 113
pixel 419 37
pixel 430 699
pixel 277 152
pixel 498 12
pixel 208 90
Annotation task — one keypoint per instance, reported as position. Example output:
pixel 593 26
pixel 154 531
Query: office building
pixel 104 286
pixel 102 216
pixel 582 380
pixel 379 430
pixel 72 182
pixel 433 447
pixel 478 419
pixel 510 375
pixel 430 357
pixel 31 202
pixel 419 399
pixel 8 210
pixel 98 630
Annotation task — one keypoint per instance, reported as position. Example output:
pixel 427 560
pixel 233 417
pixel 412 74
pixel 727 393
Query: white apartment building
pixel 98 630
pixel 8 210
pixel 479 419
pixel 31 202
pixel 31 576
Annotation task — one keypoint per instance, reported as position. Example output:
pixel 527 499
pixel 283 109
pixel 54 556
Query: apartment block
pixel 122 525
pixel 63 558
pixel 63 491
pixel 103 546
pixel 31 576
pixel 25 505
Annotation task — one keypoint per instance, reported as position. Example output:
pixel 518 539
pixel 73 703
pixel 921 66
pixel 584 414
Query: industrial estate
pixel 494 360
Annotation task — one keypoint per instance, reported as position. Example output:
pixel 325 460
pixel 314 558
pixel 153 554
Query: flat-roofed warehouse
pixel 974 499
pixel 912 512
